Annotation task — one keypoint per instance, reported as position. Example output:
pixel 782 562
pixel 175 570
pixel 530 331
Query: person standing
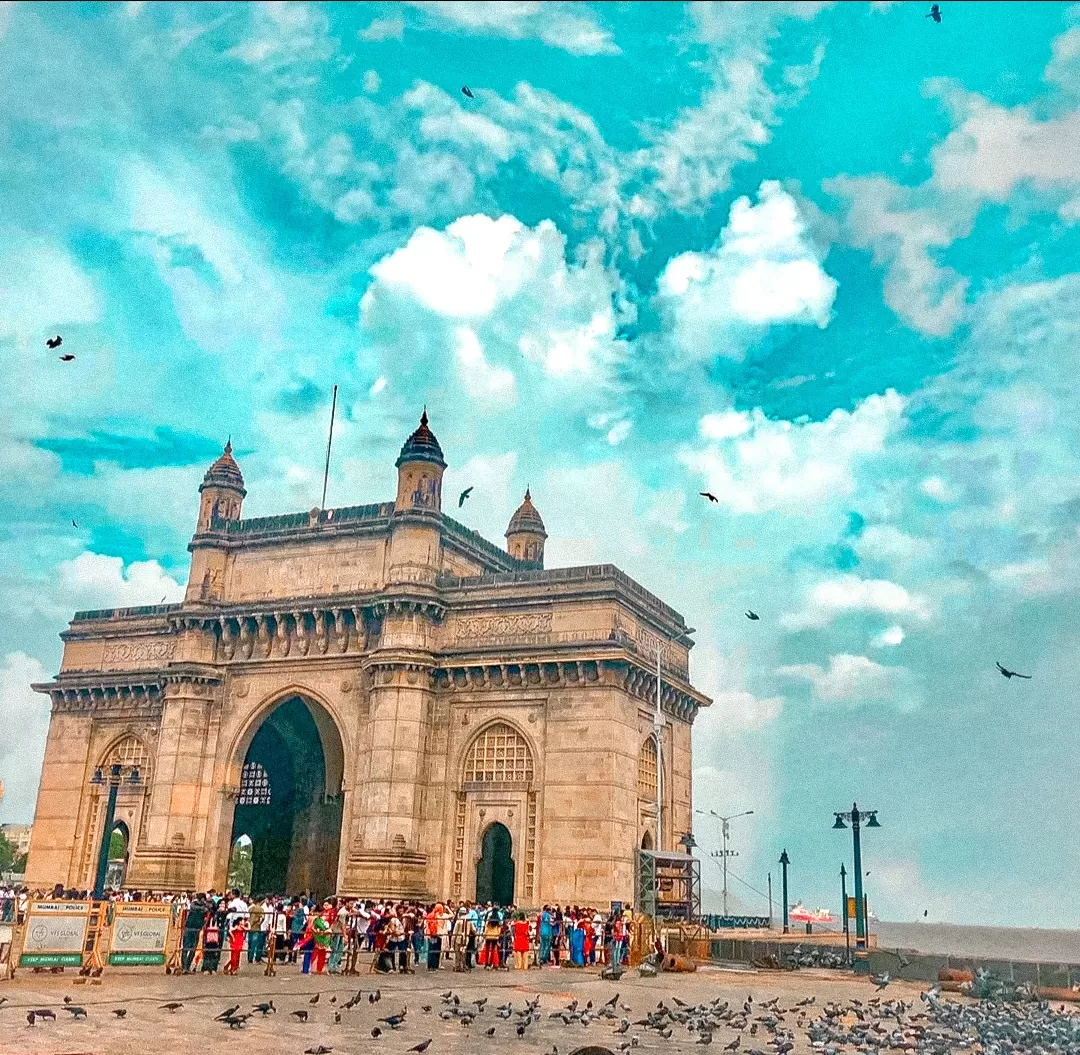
pixel 492 930
pixel 546 922
pixel 339 933
pixel 194 923
pixel 256 934
pixel 396 943
pixel 237 935
pixel 521 942
pixel 321 938
pixel 618 940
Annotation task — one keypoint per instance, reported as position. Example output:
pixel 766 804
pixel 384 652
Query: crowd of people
pixel 331 935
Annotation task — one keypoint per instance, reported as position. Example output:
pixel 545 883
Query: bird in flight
pixel 73 524
pixel 54 342
pixel 709 495
pixel 935 12
pixel 465 91
pixel 1006 673
pixel 752 616
pixel 461 497
pixel 67 358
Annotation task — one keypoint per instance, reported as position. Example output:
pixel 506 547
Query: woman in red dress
pixel 522 946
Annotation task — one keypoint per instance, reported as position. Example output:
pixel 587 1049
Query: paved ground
pixel 149 1029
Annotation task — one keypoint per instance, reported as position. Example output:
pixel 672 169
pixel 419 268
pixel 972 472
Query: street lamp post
pixel 118 774
pixel 725 853
pixel 844 916
pixel 856 818
pixel 784 862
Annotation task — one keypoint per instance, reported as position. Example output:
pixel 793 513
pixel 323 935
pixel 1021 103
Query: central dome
pixel 421 446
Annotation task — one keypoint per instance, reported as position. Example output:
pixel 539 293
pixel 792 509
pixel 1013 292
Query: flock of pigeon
pixel 997 1024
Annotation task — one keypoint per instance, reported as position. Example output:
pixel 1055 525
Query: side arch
pixel 497 750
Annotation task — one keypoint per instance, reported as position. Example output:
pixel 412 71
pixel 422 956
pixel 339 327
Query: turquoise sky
pixel 820 259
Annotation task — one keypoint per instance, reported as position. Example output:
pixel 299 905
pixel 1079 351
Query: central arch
pixel 289 802
pixel 495 869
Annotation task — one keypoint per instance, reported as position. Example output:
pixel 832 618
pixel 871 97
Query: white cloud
pixel 372 81
pixel 619 431
pixel 285 33
pixel 390 28
pixel 41 286
pixel 887 543
pixel 571 27
pixel 479 378
pixel 738 710
pixel 513 285
pixel 377 386
pixel 847 594
pixel 769 465
pixel 852 679
pixel 94 580
pixel 888 638
pixel 763 270
pixel 25 715
pixel 936 488
pixel 7 9
pixel 902 228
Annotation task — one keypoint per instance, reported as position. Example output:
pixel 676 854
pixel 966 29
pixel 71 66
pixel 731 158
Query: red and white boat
pixel 799 913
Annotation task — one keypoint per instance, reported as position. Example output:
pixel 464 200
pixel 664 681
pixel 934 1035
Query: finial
pixel 228 444
pixel 528 497
pixel 423 417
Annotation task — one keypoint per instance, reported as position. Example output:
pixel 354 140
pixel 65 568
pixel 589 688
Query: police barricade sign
pixel 55 934
pixel 140 933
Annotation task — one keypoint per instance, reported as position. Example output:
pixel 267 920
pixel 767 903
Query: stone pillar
pixel 179 803
pixel 64 776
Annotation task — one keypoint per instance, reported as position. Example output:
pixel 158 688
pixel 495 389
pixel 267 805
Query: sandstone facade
pixel 394 686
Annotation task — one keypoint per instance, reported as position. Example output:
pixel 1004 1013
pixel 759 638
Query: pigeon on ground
pixel 265 1009
pixel 299 1015
pixel 227 1013
pixel 315 999
pixel 173 1006
pixel 318 1050
pixel 422 1046
pixel 76 1011
pixel 67 357
pixel 120 1012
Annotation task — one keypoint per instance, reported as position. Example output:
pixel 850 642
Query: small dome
pixel 421 446
pixel 526 519
pixel 225 472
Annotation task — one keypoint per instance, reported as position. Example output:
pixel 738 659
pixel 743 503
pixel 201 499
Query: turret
pixel 416 532
pixel 221 492
pixel 525 536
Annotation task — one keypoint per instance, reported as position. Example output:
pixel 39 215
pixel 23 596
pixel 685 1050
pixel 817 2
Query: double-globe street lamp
pixel 724 834
pixel 857 818
pixel 118 774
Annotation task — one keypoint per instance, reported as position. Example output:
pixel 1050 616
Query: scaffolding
pixel 668 885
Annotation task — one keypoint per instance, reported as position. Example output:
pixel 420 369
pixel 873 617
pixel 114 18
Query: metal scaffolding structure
pixel 668 885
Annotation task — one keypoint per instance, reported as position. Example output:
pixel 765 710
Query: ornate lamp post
pixel 856 819
pixel 784 862
pixel 118 774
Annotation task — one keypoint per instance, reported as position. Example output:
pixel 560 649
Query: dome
pixel 526 519
pixel 421 446
pixel 225 472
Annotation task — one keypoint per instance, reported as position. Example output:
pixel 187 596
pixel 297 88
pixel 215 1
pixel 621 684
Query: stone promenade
pixel 148 1029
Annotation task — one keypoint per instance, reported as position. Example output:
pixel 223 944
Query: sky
pixel 818 259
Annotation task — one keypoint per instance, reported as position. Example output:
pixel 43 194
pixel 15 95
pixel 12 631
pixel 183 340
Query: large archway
pixel 495 869
pixel 287 806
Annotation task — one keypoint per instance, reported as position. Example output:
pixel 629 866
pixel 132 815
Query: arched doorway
pixel 646 841
pixel 286 805
pixel 119 844
pixel 241 865
pixel 495 869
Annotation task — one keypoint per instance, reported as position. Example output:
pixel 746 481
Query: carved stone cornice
pixel 128 694
pixel 192 674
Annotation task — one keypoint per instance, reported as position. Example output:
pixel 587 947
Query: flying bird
pixel 469 95
pixel 461 497
pixel 935 12
pixel 709 495
pixel 54 342
pixel 752 616
pixel 67 358
pixel 1006 673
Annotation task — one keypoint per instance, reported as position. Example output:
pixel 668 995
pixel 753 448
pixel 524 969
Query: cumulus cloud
pixel 42 286
pixel 851 680
pixel 283 33
pixel 755 465
pixel 887 543
pixel 392 27
pixel 372 81
pixel 522 299
pixel 890 637
pixel 848 594
pixel 763 270
pixel 95 580
pixel 20 756
pixel 571 27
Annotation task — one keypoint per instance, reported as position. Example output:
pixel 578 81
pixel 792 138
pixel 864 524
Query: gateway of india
pixel 385 703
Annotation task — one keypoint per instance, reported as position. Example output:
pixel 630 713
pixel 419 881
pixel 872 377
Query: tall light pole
pixel 784 862
pixel 725 853
pixel 658 725
pixel 844 917
pixel 856 818
pixel 118 774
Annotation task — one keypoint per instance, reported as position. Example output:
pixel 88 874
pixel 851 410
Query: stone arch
pixel 327 721
pixel 497 750
pixel 129 749
pixel 647 840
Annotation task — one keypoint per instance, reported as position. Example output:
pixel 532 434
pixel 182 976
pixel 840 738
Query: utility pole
pixel 725 853
pixel 770 901
pixel 784 862
pixel 329 441
pixel 856 817
pixel 658 725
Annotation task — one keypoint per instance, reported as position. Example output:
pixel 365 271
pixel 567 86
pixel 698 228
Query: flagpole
pixel 329 440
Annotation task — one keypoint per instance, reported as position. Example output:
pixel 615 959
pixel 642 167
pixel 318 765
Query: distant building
pixel 382 701
pixel 18 835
